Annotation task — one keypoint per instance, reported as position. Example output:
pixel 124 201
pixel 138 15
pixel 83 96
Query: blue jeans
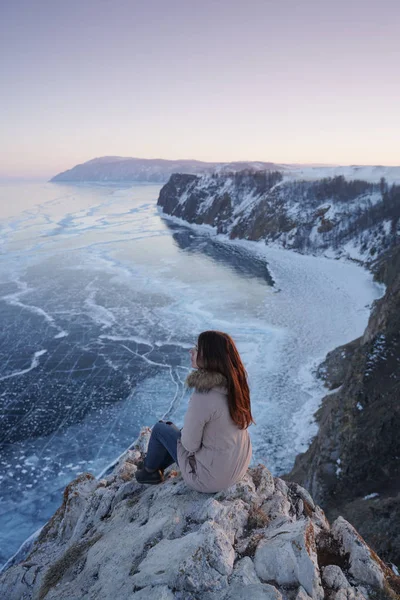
pixel 162 451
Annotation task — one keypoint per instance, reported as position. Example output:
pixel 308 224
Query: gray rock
pixel 142 441
pixel 244 572
pixel 158 592
pixel 231 516
pixel 125 491
pixel 348 594
pixel 253 591
pixel 301 594
pixel 281 486
pixel 302 493
pixel 199 561
pixel 287 555
pixel 277 506
pixel 334 578
pixel 319 519
pixel 263 480
pixel 77 497
pixel 244 490
pixel 363 566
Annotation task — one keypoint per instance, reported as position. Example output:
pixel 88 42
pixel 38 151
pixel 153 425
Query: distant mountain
pixel 119 169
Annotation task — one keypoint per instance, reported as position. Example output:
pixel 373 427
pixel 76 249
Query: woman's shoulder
pixel 203 382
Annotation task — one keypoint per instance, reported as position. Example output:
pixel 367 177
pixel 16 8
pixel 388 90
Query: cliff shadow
pixel 236 258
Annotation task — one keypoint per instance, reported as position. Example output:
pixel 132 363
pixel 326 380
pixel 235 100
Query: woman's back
pixel 213 452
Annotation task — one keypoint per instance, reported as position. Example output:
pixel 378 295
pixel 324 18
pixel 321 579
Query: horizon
pixel 219 82
pixel 46 178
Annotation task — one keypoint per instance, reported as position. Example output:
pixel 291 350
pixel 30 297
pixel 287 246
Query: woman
pixel 213 449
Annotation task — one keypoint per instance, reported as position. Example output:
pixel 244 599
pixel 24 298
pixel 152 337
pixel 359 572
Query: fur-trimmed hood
pixel 203 381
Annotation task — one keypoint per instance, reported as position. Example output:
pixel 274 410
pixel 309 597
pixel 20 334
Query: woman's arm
pixel 199 412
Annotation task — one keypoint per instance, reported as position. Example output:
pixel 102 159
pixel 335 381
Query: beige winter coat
pixel 213 453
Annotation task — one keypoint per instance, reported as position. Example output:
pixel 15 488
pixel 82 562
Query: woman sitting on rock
pixel 213 449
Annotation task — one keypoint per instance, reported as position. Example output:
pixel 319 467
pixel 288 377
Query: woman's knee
pixel 163 429
pixel 158 426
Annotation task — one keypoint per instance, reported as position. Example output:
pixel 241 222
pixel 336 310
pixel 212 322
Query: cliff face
pixel 331 216
pixel 260 539
pixel 357 450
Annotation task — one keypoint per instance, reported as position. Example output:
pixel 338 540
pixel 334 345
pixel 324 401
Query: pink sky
pixel 224 80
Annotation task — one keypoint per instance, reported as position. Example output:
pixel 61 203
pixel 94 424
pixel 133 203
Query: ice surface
pixel 100 300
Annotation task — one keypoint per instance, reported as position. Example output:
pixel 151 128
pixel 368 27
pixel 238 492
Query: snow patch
pixel 369 496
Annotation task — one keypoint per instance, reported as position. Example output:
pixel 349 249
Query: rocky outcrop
pixel 260 539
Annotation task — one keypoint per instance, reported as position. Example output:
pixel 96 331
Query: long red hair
pixel 216 351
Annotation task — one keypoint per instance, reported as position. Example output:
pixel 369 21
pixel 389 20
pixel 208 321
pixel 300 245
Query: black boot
pixel 140 465
pixel 143 476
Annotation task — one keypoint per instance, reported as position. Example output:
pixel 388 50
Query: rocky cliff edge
pixel 262 538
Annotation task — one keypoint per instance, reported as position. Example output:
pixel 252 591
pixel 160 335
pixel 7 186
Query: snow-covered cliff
pixel 260 539
pixel 332 216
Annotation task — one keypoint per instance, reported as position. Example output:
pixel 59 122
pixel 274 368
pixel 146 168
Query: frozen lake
pixel 100 300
